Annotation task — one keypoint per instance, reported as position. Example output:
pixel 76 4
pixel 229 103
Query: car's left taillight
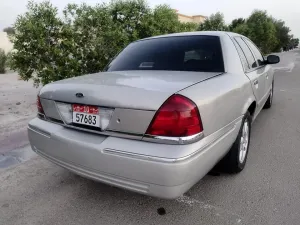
pixel 177 117
pixel 39 107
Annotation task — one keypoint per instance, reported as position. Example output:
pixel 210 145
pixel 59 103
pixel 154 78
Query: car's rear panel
pixel 164 171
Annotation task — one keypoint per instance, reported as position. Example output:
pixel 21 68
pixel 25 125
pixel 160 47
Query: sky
pixel 287 10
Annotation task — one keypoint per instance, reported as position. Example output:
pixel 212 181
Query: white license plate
pixel 86 115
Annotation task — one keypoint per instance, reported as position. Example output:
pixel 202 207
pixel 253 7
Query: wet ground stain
pixel 16 156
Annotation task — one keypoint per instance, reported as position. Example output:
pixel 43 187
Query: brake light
pixel 177 117
pixel 39 105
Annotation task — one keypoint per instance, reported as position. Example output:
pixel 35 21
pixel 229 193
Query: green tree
pixel 49 47
pixel 9 30
pixel 40 44
pixel 261 31
pixel 131 16
pixel 215 22
pixel 293 43
pixel 282 35
pixel 297 42
pixel 2 61
pixel 242 29
pixel 235 23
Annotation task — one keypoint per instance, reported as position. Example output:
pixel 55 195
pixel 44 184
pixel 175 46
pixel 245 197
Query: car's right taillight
pixel 177 117
pixel 39 106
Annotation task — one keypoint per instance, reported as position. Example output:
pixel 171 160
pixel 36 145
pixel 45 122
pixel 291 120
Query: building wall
pixel 184 18
pixel 198 19
pixel 5 43
pixel 193 19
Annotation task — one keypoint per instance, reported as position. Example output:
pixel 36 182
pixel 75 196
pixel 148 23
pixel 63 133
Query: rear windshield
pixel 184 53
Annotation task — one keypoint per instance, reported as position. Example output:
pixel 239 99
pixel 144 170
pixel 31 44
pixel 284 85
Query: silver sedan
pixel 164 112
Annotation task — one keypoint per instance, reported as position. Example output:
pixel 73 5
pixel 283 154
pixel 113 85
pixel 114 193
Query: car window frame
pixel 236 44
pixel 250 67
pixel 247 39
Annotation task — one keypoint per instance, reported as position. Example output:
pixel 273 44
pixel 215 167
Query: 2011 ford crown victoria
pixel 166 110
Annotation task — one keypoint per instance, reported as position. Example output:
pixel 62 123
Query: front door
pixel 254 72
pixel 264 69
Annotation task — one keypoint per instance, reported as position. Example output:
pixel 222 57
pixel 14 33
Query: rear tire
pixel 269 102
pixel 235 160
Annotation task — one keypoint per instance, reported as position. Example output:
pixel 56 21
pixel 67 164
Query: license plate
pixel 86 115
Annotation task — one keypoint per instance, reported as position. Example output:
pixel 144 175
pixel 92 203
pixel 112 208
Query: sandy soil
pixel 17 107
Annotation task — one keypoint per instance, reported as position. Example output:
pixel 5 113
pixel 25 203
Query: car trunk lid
pixel 143 90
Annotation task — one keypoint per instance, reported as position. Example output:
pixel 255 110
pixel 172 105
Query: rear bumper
pixel 109 159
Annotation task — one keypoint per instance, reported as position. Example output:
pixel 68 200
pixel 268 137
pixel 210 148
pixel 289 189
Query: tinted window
pixel 256 52
pixel 250 58
pixel 186 53
pixel 242 56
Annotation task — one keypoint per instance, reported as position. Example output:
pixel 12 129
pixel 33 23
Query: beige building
pixel 193 19
pixel 5 43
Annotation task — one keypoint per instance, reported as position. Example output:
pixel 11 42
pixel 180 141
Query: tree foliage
pixel 9 30
pixel 262 31
pixel 282 35
pixel 215 22
pixel 2 61
pixel 294 43
pixel 235 23
pixel 49 47
pixel 268 33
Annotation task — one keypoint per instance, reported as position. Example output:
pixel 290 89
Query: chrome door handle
pixel 267 76
pixel 255 82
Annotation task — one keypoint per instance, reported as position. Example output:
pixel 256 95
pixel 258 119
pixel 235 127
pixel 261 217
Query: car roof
pixel 210 33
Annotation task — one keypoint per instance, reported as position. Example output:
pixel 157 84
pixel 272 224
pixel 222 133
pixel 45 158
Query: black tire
pixel 269 102
pixel 231 162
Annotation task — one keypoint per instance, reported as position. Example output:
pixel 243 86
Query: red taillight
pixel 39 105
pixel 177 117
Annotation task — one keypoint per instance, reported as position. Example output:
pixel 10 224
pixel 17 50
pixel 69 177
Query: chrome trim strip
pixel 227 129
pixel 174 140
pixel 137 156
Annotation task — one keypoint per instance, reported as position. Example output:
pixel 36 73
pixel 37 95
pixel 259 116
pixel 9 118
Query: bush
pixel 50 48
pixel 2 61
pixel 8 60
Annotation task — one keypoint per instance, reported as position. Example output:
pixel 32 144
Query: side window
pixel 242 56
pixel 249 56
pixel 256 52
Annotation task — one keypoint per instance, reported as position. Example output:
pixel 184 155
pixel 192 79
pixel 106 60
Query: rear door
pixel 253 71
pixel 265 69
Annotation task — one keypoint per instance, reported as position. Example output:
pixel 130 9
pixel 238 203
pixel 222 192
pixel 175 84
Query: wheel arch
pixel 251 106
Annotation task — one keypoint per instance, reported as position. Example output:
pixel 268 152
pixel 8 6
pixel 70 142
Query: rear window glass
pixel 185 53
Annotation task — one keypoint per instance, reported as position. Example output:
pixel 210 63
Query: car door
pixel 254 72
pixel 264 68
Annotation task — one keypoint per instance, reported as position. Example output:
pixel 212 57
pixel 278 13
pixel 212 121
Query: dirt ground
pixel 17 107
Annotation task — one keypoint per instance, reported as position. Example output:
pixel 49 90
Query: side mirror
pixel 272 59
